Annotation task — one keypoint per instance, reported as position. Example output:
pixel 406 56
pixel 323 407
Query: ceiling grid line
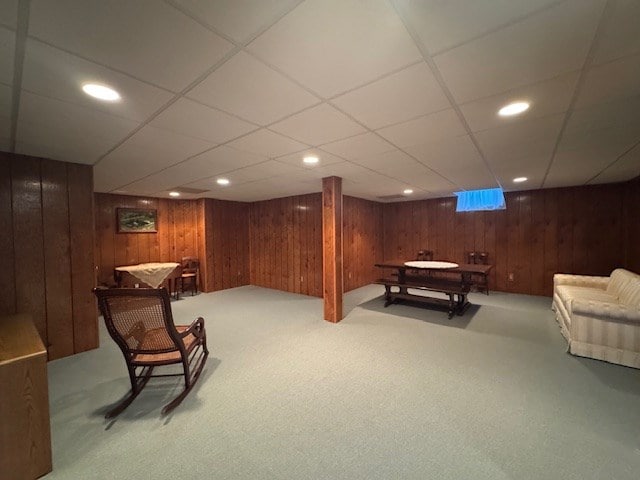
pixel 18 63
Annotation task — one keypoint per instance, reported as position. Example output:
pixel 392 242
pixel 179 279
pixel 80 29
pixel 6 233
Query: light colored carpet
pixel 400 392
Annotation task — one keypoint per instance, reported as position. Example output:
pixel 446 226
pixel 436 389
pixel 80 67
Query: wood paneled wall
pixel 576 230
pixel 363 247
pixel 286 244
pixel 177 235
pixel 225 237
pixel 632 225
pixel 46 247
pixel 215 231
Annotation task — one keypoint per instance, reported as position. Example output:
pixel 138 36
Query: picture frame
pixel 137 220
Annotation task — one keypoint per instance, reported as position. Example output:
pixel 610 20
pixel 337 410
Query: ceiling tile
pixel 332 46
pixel 119 33
pixel 267 143
pixel 359 146
pixel 324 157
pixel 238 19
pixel 457 160
pixel 617 79
pixel 621 113
pixel 318 125
pixel 53 73
pixel 534 167
pixel 533 138
pixel 625 168
pixel 145 153
pixel 546 98
pixel 7 48
pixel 389 162
pixel 425 129
pixel 248 88
pixel 535 49
pixel 9 13
pixel 192 119
pixel 443 24
pixel 410 93
pixel 620 34
pixel 63 131
pixel 5 116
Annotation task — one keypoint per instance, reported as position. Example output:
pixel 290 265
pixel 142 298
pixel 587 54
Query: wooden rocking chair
pixel 141 323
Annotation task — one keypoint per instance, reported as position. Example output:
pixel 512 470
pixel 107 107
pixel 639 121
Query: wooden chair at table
pixel 190 274
pixel 140 321
pixel 480 281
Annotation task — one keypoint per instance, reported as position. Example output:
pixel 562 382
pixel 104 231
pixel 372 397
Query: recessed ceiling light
pixel 310 160
pixel 408 191
pixel 520 179
pixel 223 181
pixel 513 109
pixel 101 92
pixel 174 194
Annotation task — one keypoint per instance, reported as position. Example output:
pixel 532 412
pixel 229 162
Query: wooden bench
pixel 456 292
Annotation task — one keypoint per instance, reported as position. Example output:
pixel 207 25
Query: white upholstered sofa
pixel 600 316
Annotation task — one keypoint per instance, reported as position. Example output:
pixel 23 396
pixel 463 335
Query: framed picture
pixel 137 220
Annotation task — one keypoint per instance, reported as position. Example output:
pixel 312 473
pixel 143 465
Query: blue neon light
pixel 474 200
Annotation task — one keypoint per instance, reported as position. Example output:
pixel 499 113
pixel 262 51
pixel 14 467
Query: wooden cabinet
pixel 25 434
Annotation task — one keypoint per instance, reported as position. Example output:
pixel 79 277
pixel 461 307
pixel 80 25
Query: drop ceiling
pixel 388 94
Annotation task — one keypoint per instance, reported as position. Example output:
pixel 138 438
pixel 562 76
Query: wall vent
pixel 392 197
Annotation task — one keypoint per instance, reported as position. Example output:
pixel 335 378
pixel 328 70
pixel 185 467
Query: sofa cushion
pixel 630 293
pixel 567 293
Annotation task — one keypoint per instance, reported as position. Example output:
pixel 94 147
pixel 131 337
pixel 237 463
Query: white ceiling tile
pixel 389 162
pixel 140 38
pixel 145 153
pixel 193 119
pixel 238 19
pixel 53 73
pixel 531 166
pixel 296 159
pixel 456 159
pixel 443 24
pixel 267 143
pixel 625 168
pixel 221 160
pixel 252 173
pixel 538 48
pixel 621 113
pixel 7 48
pixel 318 125
pixel 5 111
pixel 410 93
pixel 534 137
pixel 359 146
pixel 334 45
pixel 64 131
pixel 425 129
pixel 545 98
pixel 9 13
pixel 248 88
pixel 620 34
pixel 563 171
pixel 617 79
pixel 432 182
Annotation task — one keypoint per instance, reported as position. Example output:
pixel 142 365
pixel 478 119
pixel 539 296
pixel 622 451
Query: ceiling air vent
pixel 194 191
pixel 392 197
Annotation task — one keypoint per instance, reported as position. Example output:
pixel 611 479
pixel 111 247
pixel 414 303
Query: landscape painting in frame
pixel 137 220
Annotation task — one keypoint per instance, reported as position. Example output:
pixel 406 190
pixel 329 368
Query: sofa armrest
pixel 614 311
pixel 580 280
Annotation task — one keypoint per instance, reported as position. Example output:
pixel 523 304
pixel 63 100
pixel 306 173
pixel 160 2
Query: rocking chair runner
pixel 141 323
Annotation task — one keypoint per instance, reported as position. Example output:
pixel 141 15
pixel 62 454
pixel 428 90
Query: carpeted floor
pixel 398 393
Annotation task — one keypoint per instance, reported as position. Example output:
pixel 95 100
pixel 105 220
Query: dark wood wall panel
pixel 576 230
pixel 176 238
pixel 632 225
pixel 286 244
pixel 46 214
pixel 362 237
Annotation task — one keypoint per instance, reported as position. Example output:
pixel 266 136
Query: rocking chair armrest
pixel 196 328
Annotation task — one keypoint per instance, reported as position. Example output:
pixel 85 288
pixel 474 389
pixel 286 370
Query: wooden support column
pixel 332 248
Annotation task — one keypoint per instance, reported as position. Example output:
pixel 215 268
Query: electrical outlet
pixel 511 277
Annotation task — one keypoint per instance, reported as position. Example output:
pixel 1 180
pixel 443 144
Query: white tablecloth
pixel 153 274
